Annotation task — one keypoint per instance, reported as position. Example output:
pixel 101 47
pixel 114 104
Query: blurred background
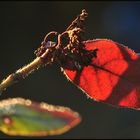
pixel 23 26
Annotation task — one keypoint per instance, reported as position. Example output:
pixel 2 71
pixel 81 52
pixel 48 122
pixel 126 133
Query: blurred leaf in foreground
pixel 23 117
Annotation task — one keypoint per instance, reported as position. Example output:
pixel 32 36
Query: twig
pixel 77 22
pixel 47 53
pixel 24 72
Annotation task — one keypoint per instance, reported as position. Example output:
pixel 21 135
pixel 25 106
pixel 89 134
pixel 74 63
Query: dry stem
pixel 45 54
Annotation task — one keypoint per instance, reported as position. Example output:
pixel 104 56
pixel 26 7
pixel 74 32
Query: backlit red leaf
pixel 112 77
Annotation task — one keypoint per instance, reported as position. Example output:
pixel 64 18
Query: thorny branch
pixel 69 42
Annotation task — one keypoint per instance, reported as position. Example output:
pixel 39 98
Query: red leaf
pixel 112 77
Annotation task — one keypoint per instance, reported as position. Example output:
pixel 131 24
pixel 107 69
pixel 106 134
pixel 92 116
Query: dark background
pixel 23 26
